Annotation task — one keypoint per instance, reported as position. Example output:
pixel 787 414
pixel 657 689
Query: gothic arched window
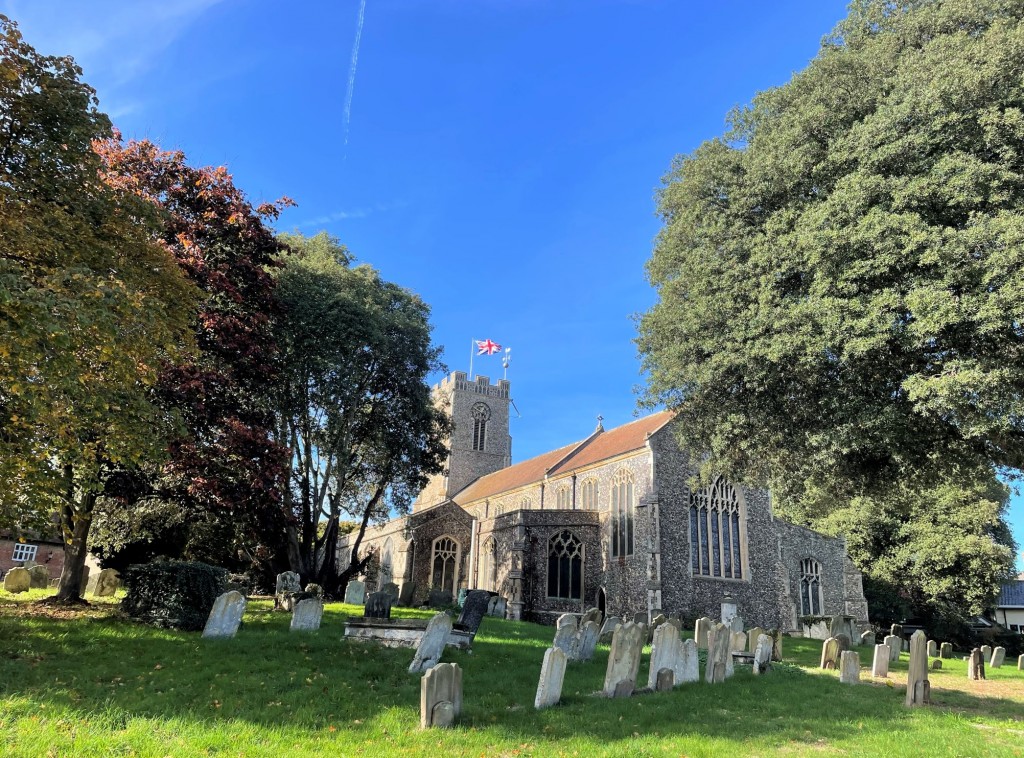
pixel 444 563
pixel 717 532
pixel 563 498
pixel 525 503
pixel 622 513
pixel 565 566
pixel 481 415
pixel 810 587
pixel 488 565
pixel 387 562
pixel 588 495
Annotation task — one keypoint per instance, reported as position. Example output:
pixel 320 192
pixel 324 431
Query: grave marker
pixel 432 643
pixel 440 695
pixel 880 664
pixel 849 667
pixel 918 686
pixel 226 615
pixel 624 660
pixel 306 615
pixel 552 674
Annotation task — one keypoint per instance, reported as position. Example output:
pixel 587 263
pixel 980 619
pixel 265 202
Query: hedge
pixel 174 594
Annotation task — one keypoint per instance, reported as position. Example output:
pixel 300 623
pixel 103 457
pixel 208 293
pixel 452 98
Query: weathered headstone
pixel 440 695
pixel 867 638
pixel 676 622
pixel 1020 662
pixel 752 636
pixel 565 635
pixel 666 652
pixel 738 642
pixel 492 605
pixel 937 664
pixel 718 654
pixel 818 631
pixel 39 577
pixel 894 647
pixel 689 663
pixel 552 674
pixel 432 643
pixel 592 614
pixel 288 583
pixel 986 650
pixel 849 667
pixel 306 615
pixel 107 582
pixel 474 608
pixel 17 580
pixel 933 649
pixel 657 621
pixel 976 665
pixel 664 681
pixel 736 625
pixel 700 632
pixel 624 660
pixel 728 612
pixel 844 642
pixel 608 628
pixel 378 606
pixel 392 589
pixel 946 650
pixel 844 625
pixel 918 686
pixel 439 598
pixel 896 630
pixel 587 640
pixel 830 653
pixel 355 592
pixel 226 615
pixel 998 656
pixel 407 593
pixel 762 653
pixel 880 663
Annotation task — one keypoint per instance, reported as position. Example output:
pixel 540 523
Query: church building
pixel 609 521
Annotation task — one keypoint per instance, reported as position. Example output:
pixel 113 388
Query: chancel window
pixel 588 495
pixel 565 566
pixel 445 564
pixel 387 560
pixel 481 415
pixel 622 513
pixel 563 498
pixel 486 572
pixel 810 587
pixel 717 531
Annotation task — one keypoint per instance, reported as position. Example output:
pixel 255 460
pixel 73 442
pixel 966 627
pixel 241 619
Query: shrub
pixel 175 594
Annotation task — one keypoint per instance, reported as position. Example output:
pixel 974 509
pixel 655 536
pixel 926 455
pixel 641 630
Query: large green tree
pixel 354 407
pixel 840 284
pixel 90 306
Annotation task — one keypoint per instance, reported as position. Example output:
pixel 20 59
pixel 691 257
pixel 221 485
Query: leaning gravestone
pixel 473 611
pixel 986 650
pixel 998 656
pixel 355 592
pixel 880 664
pixel 432 643
pixel 976 665
pixel 17 580
pixel 624 660
pixel 718 654
pixel 763 653
pixel 894 647
pixel 849 667
pixel 896 630
pixel 306 615
pixel 933 649
pixel 39 577
pixel 107 582
pixel 830 650
pixel 867 638
pixel 378 606
pixel 439 598
pixel 609 627
pixel 552 674
pixel 592 614
pixel 657 621
pixel 752 636
pixel 586 641
pixel 406 594
pixel 666 652
pixel 700 632
pixel 392 589
pixel 946 650
pixel 918 686
pixel 565 635
pixel 225 615
pixel 440 695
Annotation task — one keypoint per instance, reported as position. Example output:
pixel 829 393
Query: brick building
pixel 608 521
pixel 28 550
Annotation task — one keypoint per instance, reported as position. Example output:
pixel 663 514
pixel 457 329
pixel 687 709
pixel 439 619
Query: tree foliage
pixel 841 276
pixel 353 405
pixel 91 306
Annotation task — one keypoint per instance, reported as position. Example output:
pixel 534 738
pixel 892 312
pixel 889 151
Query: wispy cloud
pixel 352 213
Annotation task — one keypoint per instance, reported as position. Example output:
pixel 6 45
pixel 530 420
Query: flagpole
pixel 472 346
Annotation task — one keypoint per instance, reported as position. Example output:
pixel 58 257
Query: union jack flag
pixel 486 347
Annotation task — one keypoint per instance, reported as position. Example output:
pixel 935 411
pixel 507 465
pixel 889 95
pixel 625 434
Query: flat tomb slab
pixel 400 632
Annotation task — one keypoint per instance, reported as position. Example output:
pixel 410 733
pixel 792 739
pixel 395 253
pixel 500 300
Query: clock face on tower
pixel 481 412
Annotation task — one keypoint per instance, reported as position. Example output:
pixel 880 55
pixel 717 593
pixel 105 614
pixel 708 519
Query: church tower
pixel 480 442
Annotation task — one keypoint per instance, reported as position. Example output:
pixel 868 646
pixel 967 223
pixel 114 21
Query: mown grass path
pixel 92 683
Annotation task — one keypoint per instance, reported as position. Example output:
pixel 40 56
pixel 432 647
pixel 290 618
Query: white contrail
pixel 347 117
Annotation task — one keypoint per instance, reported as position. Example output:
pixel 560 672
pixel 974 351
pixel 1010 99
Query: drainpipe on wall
pixel 474 531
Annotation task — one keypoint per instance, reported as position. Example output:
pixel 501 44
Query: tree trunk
pixel 75 522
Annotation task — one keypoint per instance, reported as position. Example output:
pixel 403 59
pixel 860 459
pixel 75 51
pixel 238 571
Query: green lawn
pixel 93 683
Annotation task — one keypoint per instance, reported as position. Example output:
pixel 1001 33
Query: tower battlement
pixel 481 385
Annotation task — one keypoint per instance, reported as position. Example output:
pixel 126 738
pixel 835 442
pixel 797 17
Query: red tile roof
pixel 594 449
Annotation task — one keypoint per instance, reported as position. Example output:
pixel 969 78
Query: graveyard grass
pixel 90 682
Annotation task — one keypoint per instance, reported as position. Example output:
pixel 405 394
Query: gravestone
pixel 288 582
pixel 718 654
pixel 849 667
pixel 752 636
pixel 728 612
pixel 406 593
pixel 565 635
pixel 18 580
pixel 986 650
pixel 676 622
pixel 937 664
pixel 830 653
pixel 432 643
pixel 439 598
pixel 657 621
pixel 226 615
pixel 776 635
pixel 817 631
pixel 918 686
pixel 609 627
pixel 378 605
pixel 587 641
pixel 666 653
pixel 894 647
pixel 736 625
pixel 880 664
pixel 998 656
pixel 306 615
pixel 933 649
pixel 460 599
pixel 624 660
pixel 1020 662
pixel 976 665
pixel 946 650
pixel 738 642
pixel 664 681
pixel 107 582
pixel 497 606
pixel 314 589
pixel 700 632
pixel 867 638
pixel 844 625
pixel 896 630
pixel 762 653
pixel 355 592
pixel 39 577
pixel 592 614
pixel 440 695
pixel 473 611
pixel 552 674
pixel 689 663
pixel 844 642
pixel 392 589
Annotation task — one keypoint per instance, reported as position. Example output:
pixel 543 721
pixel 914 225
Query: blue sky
pixel 500 159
